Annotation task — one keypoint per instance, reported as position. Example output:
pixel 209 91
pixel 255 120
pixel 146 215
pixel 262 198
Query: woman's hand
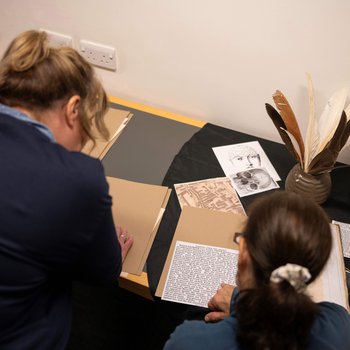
pixel 220 303
pixel 125 240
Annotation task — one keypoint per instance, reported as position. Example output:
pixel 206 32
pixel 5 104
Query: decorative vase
pixel 316 187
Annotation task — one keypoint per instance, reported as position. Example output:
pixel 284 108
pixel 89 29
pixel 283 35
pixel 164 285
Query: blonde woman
pixel 56 224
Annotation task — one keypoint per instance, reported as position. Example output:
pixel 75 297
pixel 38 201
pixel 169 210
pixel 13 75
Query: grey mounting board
pixel 146 147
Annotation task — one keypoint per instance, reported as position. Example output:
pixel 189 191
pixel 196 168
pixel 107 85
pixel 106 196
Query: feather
pixel 328 156
pixel 289 119
pixel 346 134
pixel 335 142
pixel 312 134
pixel 330 117
pixel 347 111
pixel 295 143
pixel 280 126
pixel 275 116
pixel 322 162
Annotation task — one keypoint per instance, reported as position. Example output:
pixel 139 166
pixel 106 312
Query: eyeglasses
pixel 237 237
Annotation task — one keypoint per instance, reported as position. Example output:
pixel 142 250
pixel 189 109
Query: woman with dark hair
pixel 56 222
pixel 284 247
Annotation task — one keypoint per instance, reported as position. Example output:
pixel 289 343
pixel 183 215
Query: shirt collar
pixel 14 113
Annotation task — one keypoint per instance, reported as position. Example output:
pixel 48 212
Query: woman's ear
pixel 243 253
pixel 244 278
pixel 72 110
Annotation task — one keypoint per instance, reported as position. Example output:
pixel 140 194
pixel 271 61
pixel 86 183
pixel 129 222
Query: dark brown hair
pixel 35 76
pixel 282 228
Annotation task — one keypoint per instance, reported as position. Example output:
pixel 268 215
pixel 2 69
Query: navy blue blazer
pixel 56 226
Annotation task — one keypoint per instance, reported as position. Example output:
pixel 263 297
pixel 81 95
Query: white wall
pixel 214 60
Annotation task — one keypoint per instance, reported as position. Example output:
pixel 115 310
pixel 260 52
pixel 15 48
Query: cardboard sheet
pixel 214 228
pixel 138 207
pixel 115 120
pixel 203 226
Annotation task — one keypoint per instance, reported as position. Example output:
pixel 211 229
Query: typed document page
pixel 196 272
pixel 345 237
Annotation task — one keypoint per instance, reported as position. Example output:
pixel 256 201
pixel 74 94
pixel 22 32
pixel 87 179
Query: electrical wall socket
pixel 57 39
pixel 99 55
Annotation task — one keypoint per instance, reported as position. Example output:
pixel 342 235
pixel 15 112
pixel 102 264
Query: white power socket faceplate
pixel 98 55
pixel 57 39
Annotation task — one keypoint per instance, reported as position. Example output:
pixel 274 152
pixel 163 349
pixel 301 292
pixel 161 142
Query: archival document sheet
pixel 345 237
pixel 196 272
pixel 216 194
pixel 210 232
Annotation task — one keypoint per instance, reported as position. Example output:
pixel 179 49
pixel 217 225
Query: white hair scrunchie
pixel 296 275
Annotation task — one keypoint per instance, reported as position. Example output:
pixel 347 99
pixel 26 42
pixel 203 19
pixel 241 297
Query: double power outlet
pixel 99 55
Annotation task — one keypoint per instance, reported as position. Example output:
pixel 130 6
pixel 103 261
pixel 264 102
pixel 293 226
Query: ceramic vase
pixel 316 187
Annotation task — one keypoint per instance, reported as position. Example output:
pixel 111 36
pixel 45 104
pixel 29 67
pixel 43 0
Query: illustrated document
pixel 216 194
pixel 248 167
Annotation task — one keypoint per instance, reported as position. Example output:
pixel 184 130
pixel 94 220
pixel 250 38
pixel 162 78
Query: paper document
pixel 248 167
pixel 206 227
pixel 345 237
pixel 196 272
pixel 215 194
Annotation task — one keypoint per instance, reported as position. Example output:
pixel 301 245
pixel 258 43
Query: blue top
pixel 331 331
pixel 14 113
pixel 56 226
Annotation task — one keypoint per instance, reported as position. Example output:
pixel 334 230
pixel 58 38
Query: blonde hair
pixel 35 76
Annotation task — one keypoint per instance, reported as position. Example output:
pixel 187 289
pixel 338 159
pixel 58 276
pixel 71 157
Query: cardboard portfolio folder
pixel 115 120
pixel 215 228
pixel 138 207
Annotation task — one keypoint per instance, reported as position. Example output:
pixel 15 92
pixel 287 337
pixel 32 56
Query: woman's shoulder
pixel 202 335
pixel 332 312
pixel 78 172
pixel 331 329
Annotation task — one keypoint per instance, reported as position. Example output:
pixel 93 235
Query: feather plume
pixel 275 116
pixel 345 135
pixel 324 160
pixel 312 134
pixel 334 143
pixel 325 136
pixel 281 127
pixel 330 117
pixel 328 156
pixel 296 146
pixel 289 119
pixel 347 111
